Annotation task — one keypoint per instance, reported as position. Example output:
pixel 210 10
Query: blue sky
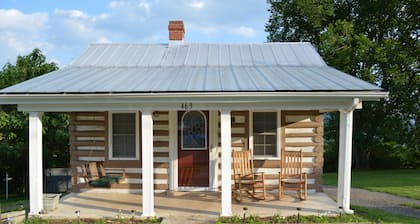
pixel 63 29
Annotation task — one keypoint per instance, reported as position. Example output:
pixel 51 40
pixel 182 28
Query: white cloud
pixel 21 33
pixel 115 4
pixel 145 6
pixel 244 31
pixel 13 19
pixel 77 14
pixel 197 4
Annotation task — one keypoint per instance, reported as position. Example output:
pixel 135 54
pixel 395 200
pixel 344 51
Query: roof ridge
pixel 203 43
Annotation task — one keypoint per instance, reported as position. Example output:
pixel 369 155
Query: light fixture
pixel 245 211
pixel 133 213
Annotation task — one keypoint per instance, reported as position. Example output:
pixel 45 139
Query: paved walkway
pixel 384 201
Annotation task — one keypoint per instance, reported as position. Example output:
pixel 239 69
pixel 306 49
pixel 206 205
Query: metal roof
pixel 189 67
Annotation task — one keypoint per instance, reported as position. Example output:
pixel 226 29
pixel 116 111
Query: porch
pixel 194 205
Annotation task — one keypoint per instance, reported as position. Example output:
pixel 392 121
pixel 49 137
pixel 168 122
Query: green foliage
pixel 405 183
pixel 32 65
pixel 300 20
pixel 14 125
pixel 33 220
pixel 39 220
pixel 362 215
pixel 379 43
pixel 294 219
pixel 14 203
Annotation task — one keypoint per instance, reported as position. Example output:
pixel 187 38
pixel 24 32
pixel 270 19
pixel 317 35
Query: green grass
pixel 411 205
pixel 14 203
pixel 379 216
pixel 404 183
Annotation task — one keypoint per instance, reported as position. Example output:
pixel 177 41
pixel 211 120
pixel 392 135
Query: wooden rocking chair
pixel 245 179
pixel 291 176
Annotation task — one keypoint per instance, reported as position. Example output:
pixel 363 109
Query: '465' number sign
pixel 186 106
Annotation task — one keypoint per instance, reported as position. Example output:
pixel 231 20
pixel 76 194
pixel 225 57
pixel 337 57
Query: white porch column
pixel 35 163
pixel 344 161
pixel 147 163
pixel 225 128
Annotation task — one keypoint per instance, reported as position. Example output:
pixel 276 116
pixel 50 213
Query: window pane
pixel 265 134
pixel 271 150
pixel 258 149
pixel 194 131
pixel 258 122
pixel 271 139
pixel 258 139
pixel 124 135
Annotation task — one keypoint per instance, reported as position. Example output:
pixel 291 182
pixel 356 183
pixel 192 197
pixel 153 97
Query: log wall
pixel 89 141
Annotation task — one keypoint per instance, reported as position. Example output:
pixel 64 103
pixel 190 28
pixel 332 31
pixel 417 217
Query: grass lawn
pixel 14 203
pixel 379 216
pixel 404 183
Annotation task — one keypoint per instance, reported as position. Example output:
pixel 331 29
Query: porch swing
pixel 94 173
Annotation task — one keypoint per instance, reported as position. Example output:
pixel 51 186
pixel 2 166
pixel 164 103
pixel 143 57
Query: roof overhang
pixel 66 102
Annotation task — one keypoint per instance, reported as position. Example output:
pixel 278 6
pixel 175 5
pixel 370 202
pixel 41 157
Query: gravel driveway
pixel 384 201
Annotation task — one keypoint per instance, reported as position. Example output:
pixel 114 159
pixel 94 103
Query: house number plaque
pixel 186 106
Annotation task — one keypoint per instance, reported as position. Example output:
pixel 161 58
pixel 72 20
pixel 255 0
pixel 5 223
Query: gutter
pixel 8 98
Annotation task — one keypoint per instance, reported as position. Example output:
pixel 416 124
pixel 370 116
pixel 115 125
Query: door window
pixel 194 131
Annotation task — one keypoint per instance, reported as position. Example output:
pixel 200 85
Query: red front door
pixel 193 150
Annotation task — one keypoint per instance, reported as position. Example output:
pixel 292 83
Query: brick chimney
pixel 176 31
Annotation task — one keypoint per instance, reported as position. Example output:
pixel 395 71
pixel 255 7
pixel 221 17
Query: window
pixel 194 131
pixel 265 134
pixel 124 136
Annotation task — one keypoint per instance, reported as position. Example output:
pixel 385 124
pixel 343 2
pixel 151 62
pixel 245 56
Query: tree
pixel 14 124
pixel 373 41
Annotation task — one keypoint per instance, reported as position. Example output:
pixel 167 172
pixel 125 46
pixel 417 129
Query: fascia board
pixel 181 97
pixel 342 104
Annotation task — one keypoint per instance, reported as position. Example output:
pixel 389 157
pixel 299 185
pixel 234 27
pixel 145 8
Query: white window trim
pixel 206 146
pixel 251 135
pixel 110 156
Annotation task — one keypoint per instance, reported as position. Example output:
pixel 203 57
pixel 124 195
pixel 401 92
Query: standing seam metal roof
pixel 124 68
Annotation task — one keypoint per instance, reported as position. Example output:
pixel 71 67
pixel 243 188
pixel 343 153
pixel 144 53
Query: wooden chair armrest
pixel 116 171
pixel 259 174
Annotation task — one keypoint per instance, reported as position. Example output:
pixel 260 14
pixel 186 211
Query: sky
pixel 63 29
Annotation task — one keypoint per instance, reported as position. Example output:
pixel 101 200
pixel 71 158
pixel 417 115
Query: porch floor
pixel 187 204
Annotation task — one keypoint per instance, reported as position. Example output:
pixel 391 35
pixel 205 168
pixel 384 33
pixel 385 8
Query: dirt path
pixel 384 201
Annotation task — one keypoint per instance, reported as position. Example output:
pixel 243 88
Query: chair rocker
pixel 291 176
pixel 245 179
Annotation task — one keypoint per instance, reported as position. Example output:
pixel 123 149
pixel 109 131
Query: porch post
pixel 225 128
pixel 35 163
pixel 344 164
pixel 147 163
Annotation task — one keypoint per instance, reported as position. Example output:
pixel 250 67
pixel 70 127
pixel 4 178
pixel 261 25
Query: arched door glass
pixel 194 131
